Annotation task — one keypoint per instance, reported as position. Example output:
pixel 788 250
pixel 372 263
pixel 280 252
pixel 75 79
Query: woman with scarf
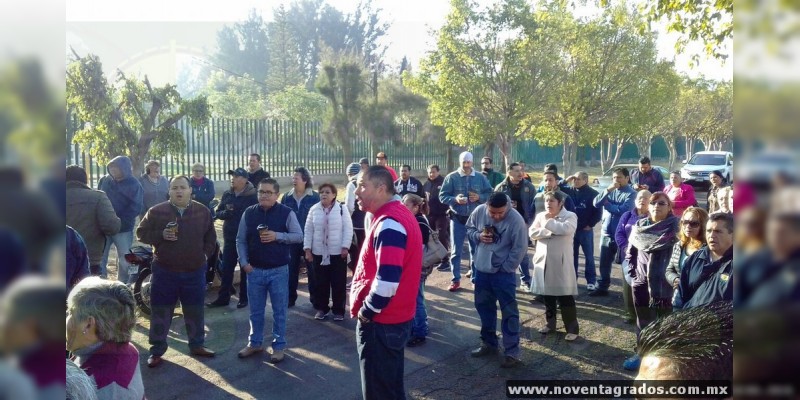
pixel 719 193
pixel 649 251
pixel 623 232
pixel 692 237
pixel 327 238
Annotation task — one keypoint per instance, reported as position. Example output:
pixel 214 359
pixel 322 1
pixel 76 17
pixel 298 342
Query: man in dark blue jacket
pixel 707 276
pixel 522 193
pixel 588 216
pixel 126 195
pixel 300 199
pixel 234 201
pixel 264 255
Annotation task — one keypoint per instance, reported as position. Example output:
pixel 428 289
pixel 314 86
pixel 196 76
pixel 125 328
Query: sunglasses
pixel 691 224
pixel 659 203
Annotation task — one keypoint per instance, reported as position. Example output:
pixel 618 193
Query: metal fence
pixel 284 145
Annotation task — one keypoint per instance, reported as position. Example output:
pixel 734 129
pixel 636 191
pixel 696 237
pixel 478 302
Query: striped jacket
pixel 386 280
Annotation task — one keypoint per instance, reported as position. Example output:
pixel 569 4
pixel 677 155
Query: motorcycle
pixel 142 257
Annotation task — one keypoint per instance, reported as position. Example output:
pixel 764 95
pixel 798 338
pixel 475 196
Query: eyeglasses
pixel 265 193
pixel 692 224
pixel 659 203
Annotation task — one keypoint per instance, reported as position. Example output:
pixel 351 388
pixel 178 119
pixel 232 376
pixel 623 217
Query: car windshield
pixel 707 159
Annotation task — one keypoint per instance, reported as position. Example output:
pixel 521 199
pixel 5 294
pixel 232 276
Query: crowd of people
pixel 674 256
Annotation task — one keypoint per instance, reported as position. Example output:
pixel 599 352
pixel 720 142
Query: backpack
pixel 433 252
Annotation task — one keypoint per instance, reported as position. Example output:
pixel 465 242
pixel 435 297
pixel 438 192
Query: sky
pixel 411 22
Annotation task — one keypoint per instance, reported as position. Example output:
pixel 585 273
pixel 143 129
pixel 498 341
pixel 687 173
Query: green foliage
pixel 131 117
pixel 235 97
pixel 341 82
pixel 284 68
pixel 296 103
pixel 243 48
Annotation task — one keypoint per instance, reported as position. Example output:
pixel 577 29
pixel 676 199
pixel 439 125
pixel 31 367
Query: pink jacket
pixel 682 197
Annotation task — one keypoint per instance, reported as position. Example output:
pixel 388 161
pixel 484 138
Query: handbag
pixel 433 252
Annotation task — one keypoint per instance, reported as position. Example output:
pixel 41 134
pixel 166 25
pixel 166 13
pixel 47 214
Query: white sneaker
pixel 591 286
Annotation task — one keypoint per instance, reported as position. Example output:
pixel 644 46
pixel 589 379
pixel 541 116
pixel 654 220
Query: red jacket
pixel 386 279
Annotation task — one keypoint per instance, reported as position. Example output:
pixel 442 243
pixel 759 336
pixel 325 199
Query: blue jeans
pixel 585 240
pixel 525 269
pixel 126 273
pixel 167 288
pixel 381 359
pixel 230 257
pixel 458 232
pixel 608 250
pixel 275 283
pixel 419 325
pixel 489 290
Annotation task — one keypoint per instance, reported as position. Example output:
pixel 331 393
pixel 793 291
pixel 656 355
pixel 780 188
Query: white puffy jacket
pixel 340 230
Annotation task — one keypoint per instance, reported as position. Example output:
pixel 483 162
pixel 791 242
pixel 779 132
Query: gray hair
pixel 39 299
pixel 110 303
pixel 79 385
pixel 583 175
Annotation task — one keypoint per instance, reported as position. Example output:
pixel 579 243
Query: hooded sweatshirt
pixel 511 242
pixel 126 195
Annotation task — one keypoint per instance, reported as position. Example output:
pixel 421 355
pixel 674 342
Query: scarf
pixel 649 236
pixel 326 257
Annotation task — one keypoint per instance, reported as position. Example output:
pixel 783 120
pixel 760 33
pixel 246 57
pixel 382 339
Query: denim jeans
pixel 230 257
pixel 167 288
pixel 525 269
pixel 126 273
pixel 608 250
pixel 272 282
pixel 489 290
pixel 458 232
pixel 585 240
pixel 381 359
pixel 419 325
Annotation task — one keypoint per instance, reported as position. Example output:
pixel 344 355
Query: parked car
pixel 762 168
pixel 605 180
pixel 702 163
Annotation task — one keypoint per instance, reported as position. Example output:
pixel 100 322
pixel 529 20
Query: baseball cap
pixel 353 169
pixel 238 172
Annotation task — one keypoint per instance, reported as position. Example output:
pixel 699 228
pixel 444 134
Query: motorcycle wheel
pixel 141 291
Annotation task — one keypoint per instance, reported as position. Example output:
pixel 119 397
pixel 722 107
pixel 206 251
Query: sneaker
pixel 483 350
pixel 415 341
pixel 275 356
pixel 632 363
pixel 524 287
pixel 338 317
pixel 454 287
pixel 510 362
pixel 591 287
pixel 443 267
pixel 320 315
pixel 469 273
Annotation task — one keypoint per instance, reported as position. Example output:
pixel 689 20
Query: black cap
pixel 239 172
pixel 364 161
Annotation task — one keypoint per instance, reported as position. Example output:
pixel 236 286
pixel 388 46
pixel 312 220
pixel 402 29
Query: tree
pixel 297 104
pixel 284 68
pixel 234 97
pixel 131 118
pixel 709 21
pixel 242 49
pixel 342 84
pixel 488 78
pixel 606 63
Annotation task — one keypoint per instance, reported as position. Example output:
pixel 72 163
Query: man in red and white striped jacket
pixel 385 284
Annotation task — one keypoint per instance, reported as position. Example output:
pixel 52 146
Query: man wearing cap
pixel 364 164
pixel 407 183
pixel 234 201
pixel 381 160
pixel 356 214
pixel 256 173
pixel 463 190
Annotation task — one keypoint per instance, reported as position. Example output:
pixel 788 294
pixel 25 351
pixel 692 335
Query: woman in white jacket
pixel 553 270
pixel 327 240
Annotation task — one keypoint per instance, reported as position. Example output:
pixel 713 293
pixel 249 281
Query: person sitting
pixel 100 321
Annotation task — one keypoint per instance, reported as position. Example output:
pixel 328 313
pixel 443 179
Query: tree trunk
pixel 506 146
pixel 581 155
pixel 673 152
pixel 593 155
pixel 618 152
pixel 602 155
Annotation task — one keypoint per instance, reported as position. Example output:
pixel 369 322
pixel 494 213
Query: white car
pixel 697 169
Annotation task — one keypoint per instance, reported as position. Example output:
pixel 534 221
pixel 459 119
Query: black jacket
pixel 232 217
pixel 257 176
pixel 432 189
pixel 704 281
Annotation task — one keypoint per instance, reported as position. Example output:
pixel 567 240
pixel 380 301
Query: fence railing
pixel 284 145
